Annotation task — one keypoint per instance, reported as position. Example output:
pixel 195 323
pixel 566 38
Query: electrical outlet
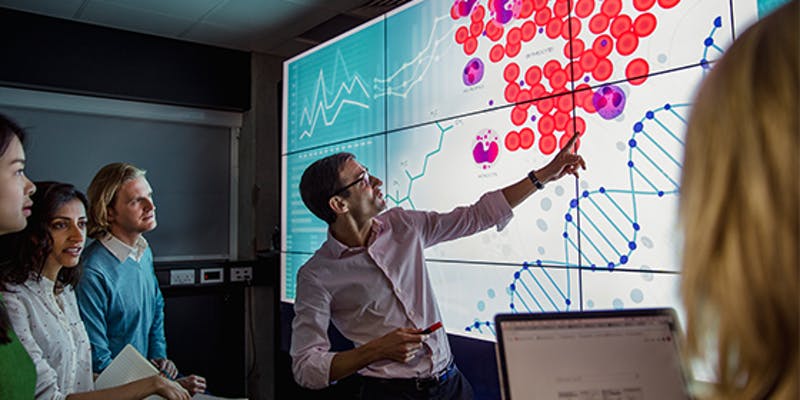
pixel 181 277
pixel 241 274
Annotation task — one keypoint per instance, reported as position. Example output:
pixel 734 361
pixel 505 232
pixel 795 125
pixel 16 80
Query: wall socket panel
pixel 181 277
pixel 241 274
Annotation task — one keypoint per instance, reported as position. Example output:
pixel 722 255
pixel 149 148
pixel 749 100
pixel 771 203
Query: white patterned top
pixel 49 326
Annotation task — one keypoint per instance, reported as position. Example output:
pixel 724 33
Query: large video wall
pixel 446 100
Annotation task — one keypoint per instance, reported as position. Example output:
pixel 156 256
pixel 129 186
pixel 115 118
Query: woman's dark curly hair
pixel 30 248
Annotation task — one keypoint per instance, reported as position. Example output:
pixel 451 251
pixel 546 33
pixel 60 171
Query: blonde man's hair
pixel 739 211
pixel 102 193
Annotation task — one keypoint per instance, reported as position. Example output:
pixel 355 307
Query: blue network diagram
pixel 392 93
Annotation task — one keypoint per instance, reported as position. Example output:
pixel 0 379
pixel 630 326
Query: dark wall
pixel 59 55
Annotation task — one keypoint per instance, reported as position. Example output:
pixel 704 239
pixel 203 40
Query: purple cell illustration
pixel 465 7
pixel 609 101
pixel 486 149
pixel 504 10
pixel 473 72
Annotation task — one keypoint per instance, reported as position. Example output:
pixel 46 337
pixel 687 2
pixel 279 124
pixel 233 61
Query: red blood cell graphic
pixel 547 144
pixel 542 17
pixel 544 106
pixel 571 29
pixel 627 43
pixel 620 25
pixel 643 5
pixel 476 28
pixel 478 14
pixel 533 75
pixel 554 28
pixel 588 60
pixel 564 104
pixel 560 118
pixel 518 115
pixel 579 124
pixel 524 97
pixel 637 68
pixel 550 67
pixel 512 141
pixel 514 35
pixel 494 30
pixel 538 91
pixel 602 46
pixel 577 72
pixel 611 8
pixel 470 46
pixel 598 23
pixel 526 138
pixel 644 24
pixel 668 3
pixel 584 7
pixel 512 91
pixel 546 125
pixel 497 52
pixel 581 91
pixel 539 5
pixel 511 73
pixel 528 31
pixel 512 49
pixel 603 70
pixel 577 48
pixel 558 79
pixel 462 34
pixel 526 9
pixel 561 9
pixel 588 104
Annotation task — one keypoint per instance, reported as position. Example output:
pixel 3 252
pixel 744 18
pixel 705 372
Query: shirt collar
pixel 121 250
pixel 339 249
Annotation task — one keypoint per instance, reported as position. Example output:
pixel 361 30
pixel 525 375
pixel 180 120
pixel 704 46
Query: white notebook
pixel 130 365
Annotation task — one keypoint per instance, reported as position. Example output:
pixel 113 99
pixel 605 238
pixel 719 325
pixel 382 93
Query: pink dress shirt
pixel 369 291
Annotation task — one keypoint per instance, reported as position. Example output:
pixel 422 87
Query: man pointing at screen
pixel 370 279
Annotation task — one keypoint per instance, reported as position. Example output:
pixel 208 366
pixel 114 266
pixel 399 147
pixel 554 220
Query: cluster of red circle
pixel 555 106
pixel 468 37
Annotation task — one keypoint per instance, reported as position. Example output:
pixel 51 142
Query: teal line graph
pixel 397 199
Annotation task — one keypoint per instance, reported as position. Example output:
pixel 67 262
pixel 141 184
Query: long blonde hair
pixel 739 210
pixel 102 193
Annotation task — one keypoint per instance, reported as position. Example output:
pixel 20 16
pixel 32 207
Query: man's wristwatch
pixel 532 176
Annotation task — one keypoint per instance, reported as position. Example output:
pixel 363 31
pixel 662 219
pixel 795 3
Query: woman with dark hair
pixel 42 304
pixel 17 372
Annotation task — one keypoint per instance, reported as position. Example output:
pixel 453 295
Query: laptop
pixel 594 355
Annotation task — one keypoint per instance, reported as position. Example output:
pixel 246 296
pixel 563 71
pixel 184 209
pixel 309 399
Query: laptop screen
pixel 626 354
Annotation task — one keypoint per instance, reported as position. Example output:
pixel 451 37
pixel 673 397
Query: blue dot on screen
pixel 623 260
pixel 632 245
pixel 632 143
pixel 513 287
pixel 630 164
pixel 516 275
pixel 569 302
pixel 491 293
pixel 649 115
pixel 637 296
pixel 637 127
pixel 589 303
pixel 660 193
pixel 481 305
pixel 667 106
pixel 709 42
pixel 585 193
pixel 573 203
pixel 565 235
pixel 718 22
pixel 618 304
pixel 568 217
pixel 602 189
pixel 636 226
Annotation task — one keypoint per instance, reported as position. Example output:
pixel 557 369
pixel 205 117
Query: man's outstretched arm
pixel 565 162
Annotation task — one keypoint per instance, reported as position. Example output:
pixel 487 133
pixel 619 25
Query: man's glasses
pixel 363 178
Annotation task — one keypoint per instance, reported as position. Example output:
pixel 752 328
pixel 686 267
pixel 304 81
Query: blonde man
pixel 119 298
pixel 739 210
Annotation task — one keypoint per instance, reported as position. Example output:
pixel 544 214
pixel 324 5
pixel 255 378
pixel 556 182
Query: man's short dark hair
pixel 319 181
